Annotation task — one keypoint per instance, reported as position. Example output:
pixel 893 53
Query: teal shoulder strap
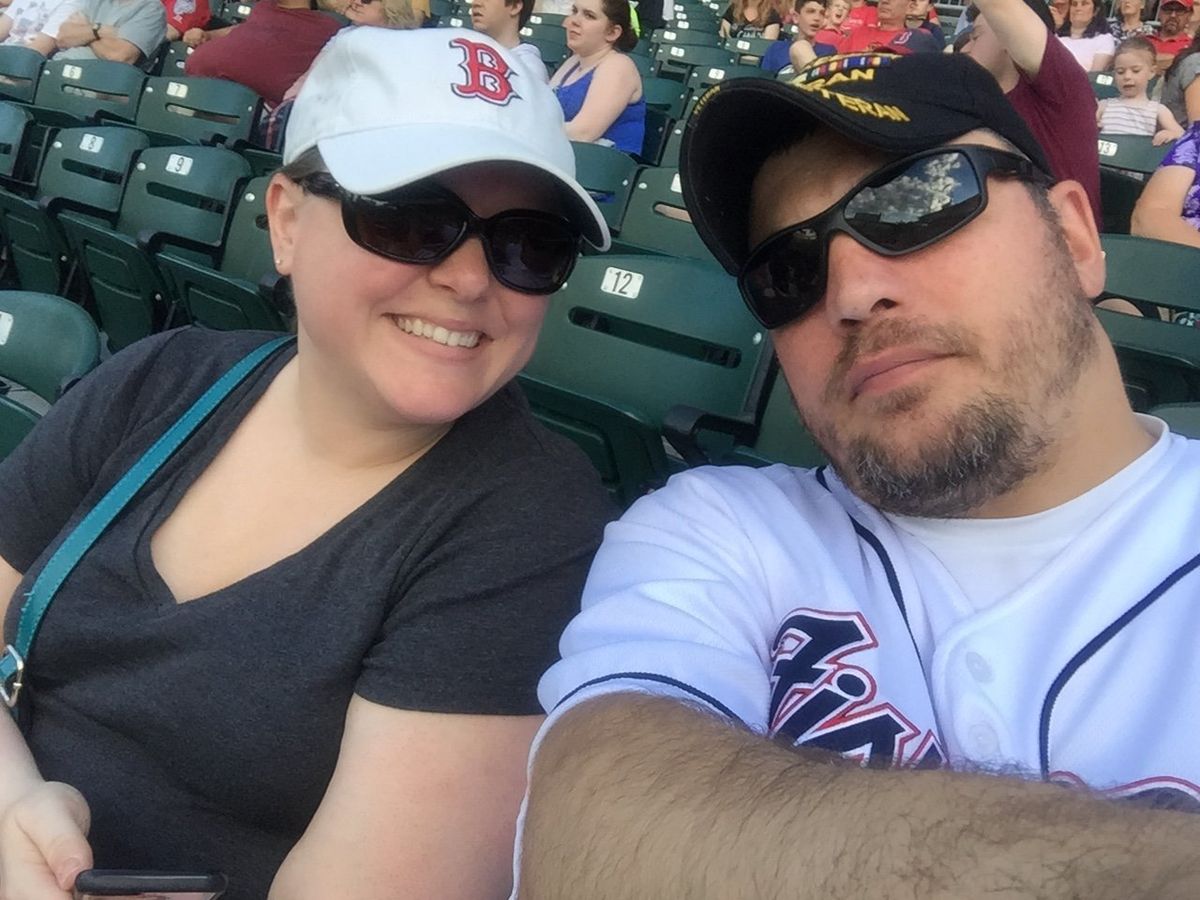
pixel 71 551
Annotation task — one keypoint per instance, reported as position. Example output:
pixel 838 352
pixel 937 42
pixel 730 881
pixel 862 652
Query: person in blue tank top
pixel 599 87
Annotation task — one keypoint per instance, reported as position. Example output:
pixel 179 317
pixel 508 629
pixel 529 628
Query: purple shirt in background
pixel 1186 152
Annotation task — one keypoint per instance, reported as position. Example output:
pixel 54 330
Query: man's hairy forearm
pixel 635 796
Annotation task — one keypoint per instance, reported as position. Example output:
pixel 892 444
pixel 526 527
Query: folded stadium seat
pixel 199 110
pixel 71 91
pixel 749 51
pixel 234 12
pixel 16 124
pixel 1126 163
pixel 1160 360
pixel 667 340
pixel 658 129
pixel 656 220
pixel 1103 85
pixel 608 175
pixel 20 69
pixel 1184 418
pixel 677 60
pixel 84 169
pixel 552 32
pixel 644 63
pixel 547 19
pixel 665 94
pixel 1130 153
pixel 47 344
pixel 244 291
pixel 181 196
pixel 625 449
pixel 670 154
pixel 175 59
pixel 691 37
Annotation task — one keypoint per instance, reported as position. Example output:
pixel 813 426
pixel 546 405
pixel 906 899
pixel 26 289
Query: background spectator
pixel 1128 22
pixel 184 15
pixel 1169 208
pixel 751 18
pixel 1180 93
pixel 383 14
pixel 810 14
pixel 1058 12
pixel 1012 40
pixel 1086 35
pixel 267 52
pixel 835 27
pixel 502 21
pixel 889 32
pixel 922 14
pixel 120 30
pixel 1133 112
pixel 598 87
pixel 1172 38
pixel 861 13
pixel 34 23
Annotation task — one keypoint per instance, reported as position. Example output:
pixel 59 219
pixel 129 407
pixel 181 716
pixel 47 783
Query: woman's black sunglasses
pixel 901 208
pixel 527 250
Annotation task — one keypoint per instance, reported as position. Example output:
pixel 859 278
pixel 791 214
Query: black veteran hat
pixel 900 104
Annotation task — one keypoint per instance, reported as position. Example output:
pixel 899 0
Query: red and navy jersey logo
pixel 489 76
pixel 821 699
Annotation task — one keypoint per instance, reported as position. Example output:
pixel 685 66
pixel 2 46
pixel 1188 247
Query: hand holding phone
pixel 139 885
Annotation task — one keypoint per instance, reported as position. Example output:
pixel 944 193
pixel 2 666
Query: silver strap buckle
pixel 10 684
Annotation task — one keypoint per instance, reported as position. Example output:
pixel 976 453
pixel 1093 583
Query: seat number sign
pixel 1106 148
pixel 179 164
pixel 91 143
pixel 6 323
pixel 621 282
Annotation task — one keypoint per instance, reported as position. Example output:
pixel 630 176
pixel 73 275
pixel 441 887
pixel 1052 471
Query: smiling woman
pixel 306 652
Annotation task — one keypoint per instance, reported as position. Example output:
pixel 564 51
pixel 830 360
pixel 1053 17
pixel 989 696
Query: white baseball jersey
pixel 778 598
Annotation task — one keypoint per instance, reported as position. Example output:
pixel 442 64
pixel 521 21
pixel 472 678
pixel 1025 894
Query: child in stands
pixel 1133 112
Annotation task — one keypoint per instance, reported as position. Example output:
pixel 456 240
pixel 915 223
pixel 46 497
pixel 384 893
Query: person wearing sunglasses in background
pixel 306 653
pixel 998 572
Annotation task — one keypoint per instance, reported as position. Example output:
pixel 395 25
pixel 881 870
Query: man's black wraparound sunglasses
pixel 527 250
pixel 903 207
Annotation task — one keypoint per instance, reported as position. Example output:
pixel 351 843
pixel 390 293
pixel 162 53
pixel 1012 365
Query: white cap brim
pixel 402 155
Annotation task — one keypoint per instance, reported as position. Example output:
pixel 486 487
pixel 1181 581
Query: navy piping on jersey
pixel 889 570
pixel 661 679
pixel 1092 648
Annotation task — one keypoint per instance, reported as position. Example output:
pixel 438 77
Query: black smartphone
pixel 141 885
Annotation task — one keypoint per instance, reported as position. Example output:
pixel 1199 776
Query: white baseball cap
pixel 388 107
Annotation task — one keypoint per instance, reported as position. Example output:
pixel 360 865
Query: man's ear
pixel 1078 227
pixel 283 199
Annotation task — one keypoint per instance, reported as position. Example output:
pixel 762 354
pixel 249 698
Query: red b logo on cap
pixel 487 73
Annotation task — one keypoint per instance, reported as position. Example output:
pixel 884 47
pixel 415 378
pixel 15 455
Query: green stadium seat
pixel 1103 85
pixel 200 110
pixel 609 176
pixel 1130 153
pixel 20 69
pixel 656 220
pixel 668 340
pixel 1119 193
pixel 234 12
pixel 781 437
pixel 702 78
pixel 16 123
pixel 1160 360
pixel 749 51
pixel 244 291
pixel 174 62
pixel 665 94
pixel 73 90
pixel 546 19
pixel 554 52
pixel 686 38
pixel 678 60
pixel 644 64
pixel 626 450
pixel 551 32
pixel 180 196
pixel 1184 418
pixel 85 169
pixel 47 344
pixel 658 128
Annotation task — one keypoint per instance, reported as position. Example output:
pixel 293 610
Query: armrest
pixel 277 290
pixel 152 242
pixel 682 424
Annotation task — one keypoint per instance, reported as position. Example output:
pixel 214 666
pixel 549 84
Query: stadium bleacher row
pixel 140 198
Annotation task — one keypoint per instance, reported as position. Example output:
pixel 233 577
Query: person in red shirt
pixel 860 14
pixel 1172 37
pixel 270 50
pixel 889 33
pixel 184 15
pixel 1012 39
pixel 835 28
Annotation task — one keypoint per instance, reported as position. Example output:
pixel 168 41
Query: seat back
pixel 647 333
pixel 15 122
pixel 85 87
pixel 1130 152
pixel 548 32
pixel 608 175
pixel 1183 418
pixel 678 60
pixel 1103 85
pixel 547 19
pixel 47 343
pixel 704 77
pixel 687 37
pixel 1160 360
pixel 782 437
pixel 175 59
pixel 234 12
pixel 202 110
pixel 749 50
pixel 1119 193
pixel 20 69
pixel 657 221
pixel 665 94
pixel 553 51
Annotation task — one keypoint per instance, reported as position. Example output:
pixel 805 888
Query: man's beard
pixel 989 445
